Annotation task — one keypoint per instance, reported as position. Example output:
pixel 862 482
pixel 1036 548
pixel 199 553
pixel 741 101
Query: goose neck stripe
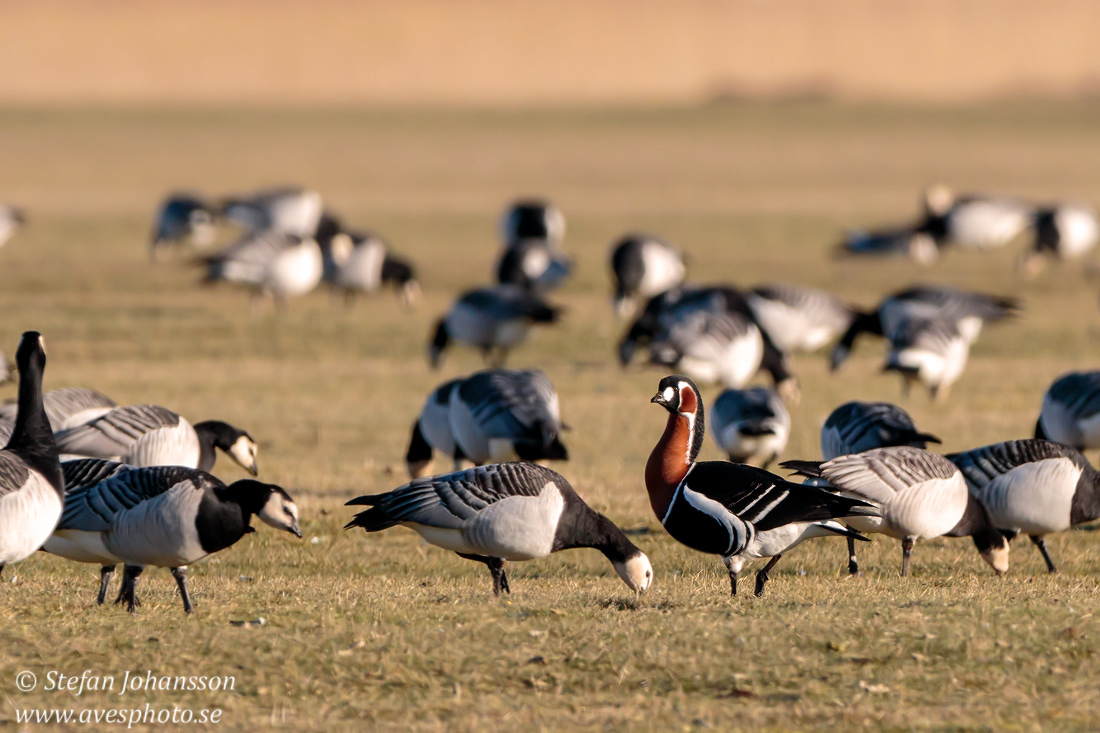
pixel 757 500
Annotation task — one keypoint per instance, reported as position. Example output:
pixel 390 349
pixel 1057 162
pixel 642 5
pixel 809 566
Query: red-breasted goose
pixel 31 484
pixel 919 495
pixel 182 218
pixel 931 351
pixel 1071 411
pixel 718 507
pixel 643 266
pixel 150 435
pixel 500 512
pixel 11 220
pixel 799 319
pixel 164 516
pixel 750 425
pixel 68 407
pixel 492 320
pixel 1032 486
pixel 855 427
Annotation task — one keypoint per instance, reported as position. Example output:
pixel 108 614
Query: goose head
pixel 276 508
pixel 31 354
pixel 636 572
pixel 236 443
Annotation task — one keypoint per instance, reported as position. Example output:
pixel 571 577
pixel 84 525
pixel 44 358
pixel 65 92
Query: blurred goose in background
pixel 164 516
pixel 907 241
pixel 359 262
pixel 150 435
pixel 68 407
pixel 1065 231
pixel 432 432
pixel 919 495
pixel 974 221
pixel 182 218
pixel 31 485
pixel 6 374
pixel 288 210
pixel 856 427
pixel 272 264
pixel 501 512
pixel 643 266
pixel 969 311
pixel 728 509
pixel 532 231
pixel 931 351
pixel 1032 486
pixel 799 319
pixel 532 219
pixel 750 425
pixel 493 320
pixel 11 220
pixel 1070 414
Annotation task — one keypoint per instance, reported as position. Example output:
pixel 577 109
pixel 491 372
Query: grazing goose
pixel 919 495
pixel 493 320
pixel 270 263
pixel 500 512
pixel 855 427
pixel 799 319
pixel 931 351
pixel 164 516
pixel 532 219
pixel 360 263
pixel 973 222
pixel 1071 411
pixel 11 220
pixel 68 407
pixel 969 311
pixel 643 266
pixel 750 425
pixel 182 218
pixel 1066 231
pixel 432 432
pixel 289 211
pixel 1032 486
pixel 910 242
pixel 722 508
pixel 31 484
pixel 150 435
pixel 535 265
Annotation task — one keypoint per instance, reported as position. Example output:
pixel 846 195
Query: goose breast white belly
pixel 28 517
pixel 174 446
pixel 80 546
pixel 296 270
pixel 1035 498
pixel 517 527
pixel 467 431
pixel 986 224
pixel 1077 229
pixel 927 509
pixel 160 531
pixel 742 358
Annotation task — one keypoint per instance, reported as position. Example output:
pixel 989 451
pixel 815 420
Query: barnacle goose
pixel 532 218
pixel 359 262
pixel 534 265
pixel 1032 486
pixel 150 435
pixel 1065 231
pixel 969 311
pixel 270 263
pixel 724 508
pixel 750 425
pixel 183 217
pixel 164 516
pixel 906 241
pixel 287 210
pixel 973 221
pixel 643 266
pixel 68 407
pixel 11 220
pixel 930 350
pixel 493 320
pixel 1071 411
pixel 855 427
pixel 432 432
pixel 501 512
pixel 31 484
pixel 919 495
pixel 797 318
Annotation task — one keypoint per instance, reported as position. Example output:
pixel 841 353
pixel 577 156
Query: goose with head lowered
pixel 432 433
pixel 493 320
pixel 1063 231
pixel 163 516
pixel 750 425
pixel 31 484
pixel 643 266
pixel 1070 414
pixel 182 218
pixel 973 221
pixel 855 427
pixel 532 231
pixel 1032 486
pixel 151 435
pixel 360 262
pixel 931 351
pixel 918 495
pixel 503 512
pixel 728 509
pixel 68 407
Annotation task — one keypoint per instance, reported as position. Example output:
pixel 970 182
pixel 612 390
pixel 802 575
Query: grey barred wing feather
pixel 92 505
pixel 509 402
pixel 115 433
pixel 982 465
pixel 882 473
pixel 61 404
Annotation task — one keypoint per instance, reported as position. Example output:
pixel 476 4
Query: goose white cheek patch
pixel 244 452
pixel 668 393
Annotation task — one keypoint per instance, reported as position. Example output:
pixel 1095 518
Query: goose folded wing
pixel 878 475
pixel 92 506
pixel 62 404
pixel 511 403
pixel 982 465
pixel 116 432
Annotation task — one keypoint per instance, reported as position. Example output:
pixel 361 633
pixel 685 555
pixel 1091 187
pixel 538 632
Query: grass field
pixel 382 631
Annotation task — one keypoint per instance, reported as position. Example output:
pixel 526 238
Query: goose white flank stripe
pixel 492 320
pixel 164 516
pixel 501 512
pixel 931 351
pixel 643 266
pixel 722 508
pixel 1032 486
pixel 855 427
pixel 31 484
pixel 799 319
pixel 750 425
pixel 1071 411
pixel 918 495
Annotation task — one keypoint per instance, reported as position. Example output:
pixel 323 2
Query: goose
pixel 503 512
pixel 1032 486
pixel 31 484
pixel 1065 231
pixel 270 263
pixel 750 425
pixel 906 241
pixel 535 265
pixel 931 351
pixel 68 407
pixel 432 432
pixel 855 427
pixel 532 219
pixel 973 221
pixel 164 516
pixel 1071 411
pixel 799 319
pixel 290 211
pixel 183 217
pixel 643 266
pixel 969 311
pixel 150 435
pixel 359 262
pixel 493 320
pixel 918 494
pixel 722 508
pixel 11 220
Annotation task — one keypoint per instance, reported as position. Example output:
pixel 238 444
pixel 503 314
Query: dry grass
pixel 381 631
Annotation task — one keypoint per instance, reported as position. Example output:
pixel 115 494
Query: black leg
pixel 733 583
pixel 906 551
pixel 762 576
pixel 105 574
pixel 496 568
pixel 1041 543
pixel 728 562
pixel 180 574
pixel 853 563
pixel 128 592
pixel 1 569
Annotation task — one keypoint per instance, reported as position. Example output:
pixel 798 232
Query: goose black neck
pixel 250 495
pixel 978 525
pixel 1086 500
pixel 213 434
pixel 32 437
pixel 589 528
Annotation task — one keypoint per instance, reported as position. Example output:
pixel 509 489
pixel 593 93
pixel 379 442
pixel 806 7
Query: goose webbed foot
pixel 1041 543
pixel 105 573
pixel 762 576
pixel 180 574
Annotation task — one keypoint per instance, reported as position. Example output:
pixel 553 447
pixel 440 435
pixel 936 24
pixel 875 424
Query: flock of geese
pixel 86 479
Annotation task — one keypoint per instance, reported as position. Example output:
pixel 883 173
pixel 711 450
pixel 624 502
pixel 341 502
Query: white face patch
pixel 668 393
pixel 280 513
pixel 636 572
pixel 243 451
